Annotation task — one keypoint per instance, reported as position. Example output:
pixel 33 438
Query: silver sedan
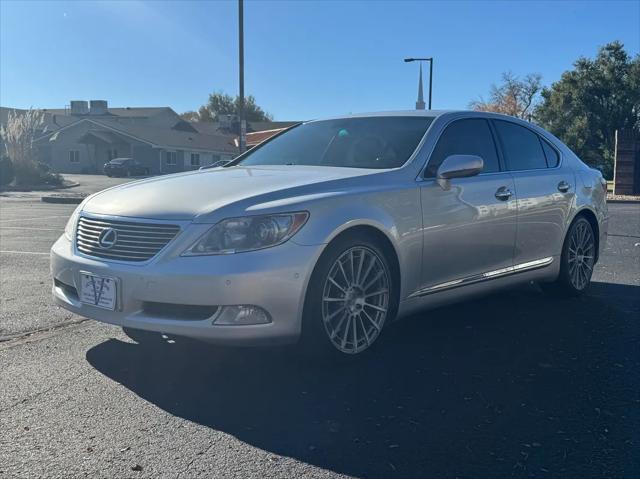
pixel 331 230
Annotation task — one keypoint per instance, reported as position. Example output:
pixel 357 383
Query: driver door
pixel 470 227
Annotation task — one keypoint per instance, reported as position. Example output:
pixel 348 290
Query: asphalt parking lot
pixel 513 385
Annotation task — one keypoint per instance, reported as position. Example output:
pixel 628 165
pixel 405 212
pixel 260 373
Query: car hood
pixel 186 196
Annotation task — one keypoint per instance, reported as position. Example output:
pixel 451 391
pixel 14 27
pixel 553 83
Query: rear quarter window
pixel 522 148
pixel 553 159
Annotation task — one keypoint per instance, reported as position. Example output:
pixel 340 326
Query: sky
pixel 303 59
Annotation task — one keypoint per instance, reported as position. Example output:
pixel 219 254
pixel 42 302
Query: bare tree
pixel 514 96
pixel 19 133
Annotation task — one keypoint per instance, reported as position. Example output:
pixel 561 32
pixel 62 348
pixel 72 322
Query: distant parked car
pixel 125 167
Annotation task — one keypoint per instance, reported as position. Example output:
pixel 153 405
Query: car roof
pixel 423 113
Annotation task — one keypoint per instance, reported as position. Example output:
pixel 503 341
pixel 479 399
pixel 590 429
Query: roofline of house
pixel 153 145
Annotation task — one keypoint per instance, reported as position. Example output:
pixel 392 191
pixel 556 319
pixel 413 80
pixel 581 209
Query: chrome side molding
pixel 517 268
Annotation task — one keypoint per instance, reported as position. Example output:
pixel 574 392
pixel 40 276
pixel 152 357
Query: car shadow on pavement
pixel 515 384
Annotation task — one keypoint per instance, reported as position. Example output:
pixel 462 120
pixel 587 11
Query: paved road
pixel 513 385
pixel 87 184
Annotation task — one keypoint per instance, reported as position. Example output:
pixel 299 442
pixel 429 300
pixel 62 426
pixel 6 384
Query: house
pixel 80 139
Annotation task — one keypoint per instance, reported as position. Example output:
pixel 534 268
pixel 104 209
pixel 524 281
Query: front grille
pixel 133 241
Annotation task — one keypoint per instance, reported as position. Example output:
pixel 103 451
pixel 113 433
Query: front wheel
pixel 577 260
pixel 350 297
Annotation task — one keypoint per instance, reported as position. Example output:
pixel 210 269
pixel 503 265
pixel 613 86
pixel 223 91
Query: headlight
pixel 248 233
pixel 70 227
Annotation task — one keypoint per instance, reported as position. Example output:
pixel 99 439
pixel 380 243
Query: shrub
pixel 30 173
pixel 6 171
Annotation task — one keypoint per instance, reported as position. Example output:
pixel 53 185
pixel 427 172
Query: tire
pixel 576 262
pixel 346 307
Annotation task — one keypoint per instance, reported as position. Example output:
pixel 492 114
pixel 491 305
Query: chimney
pixel 98 107
pixel 79 107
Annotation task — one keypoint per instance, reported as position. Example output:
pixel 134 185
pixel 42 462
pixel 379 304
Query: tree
pixel 514 96
pixel 223 104
pixel 18 137
pixel 589 103
pixel 190 115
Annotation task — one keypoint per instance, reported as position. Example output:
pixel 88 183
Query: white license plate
pixel 98 291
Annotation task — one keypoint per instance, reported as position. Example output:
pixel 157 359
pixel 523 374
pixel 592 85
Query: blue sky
pixel 302 59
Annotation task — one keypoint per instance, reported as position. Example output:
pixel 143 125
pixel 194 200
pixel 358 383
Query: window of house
pixel 195 159
pixel 112 153
pixel 172 158
pixel 552 155
pixel 74 156
pixel 215 159
pixel 521 147
pixel 465 137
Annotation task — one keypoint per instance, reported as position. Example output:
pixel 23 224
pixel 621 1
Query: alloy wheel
pixel 581 255
pixel 355 299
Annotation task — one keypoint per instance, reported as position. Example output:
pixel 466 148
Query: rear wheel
pixel 349 299
pixel 577 260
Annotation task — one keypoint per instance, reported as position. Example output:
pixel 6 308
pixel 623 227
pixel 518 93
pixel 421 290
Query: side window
pixel 465 137
pixel 521 147
pixel 552 155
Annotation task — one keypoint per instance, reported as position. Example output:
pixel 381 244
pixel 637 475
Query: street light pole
pixel 430 60
pixel 430 80
pixel 243 125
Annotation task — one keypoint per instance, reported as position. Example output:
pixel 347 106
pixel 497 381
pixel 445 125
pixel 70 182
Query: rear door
pixel 545 189
pixel 470 228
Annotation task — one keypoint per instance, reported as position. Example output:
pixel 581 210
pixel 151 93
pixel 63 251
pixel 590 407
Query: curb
pixel 39 188
pixel 628 202
pixel 64 200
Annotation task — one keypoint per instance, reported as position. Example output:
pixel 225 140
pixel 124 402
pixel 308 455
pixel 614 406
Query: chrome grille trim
pixel 136 241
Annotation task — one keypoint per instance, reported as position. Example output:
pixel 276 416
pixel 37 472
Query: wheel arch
pixel 379 236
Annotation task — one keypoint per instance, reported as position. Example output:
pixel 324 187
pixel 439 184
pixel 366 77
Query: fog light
pixel 241 315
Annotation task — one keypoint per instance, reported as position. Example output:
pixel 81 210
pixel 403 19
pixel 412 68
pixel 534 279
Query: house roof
pixel 258 137
pixel 163 137
pixel 213 127
pixel 134 111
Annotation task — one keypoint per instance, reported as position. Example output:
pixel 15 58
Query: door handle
pixel 563 186
pixel 503 193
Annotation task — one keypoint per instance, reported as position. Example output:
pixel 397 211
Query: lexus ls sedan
pixel 332 229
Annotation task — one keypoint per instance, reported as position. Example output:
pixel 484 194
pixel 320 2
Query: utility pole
pixel 243 124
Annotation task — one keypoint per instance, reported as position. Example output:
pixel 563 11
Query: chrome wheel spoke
pixel 376 293
pixel 333 300
pixel 375 278
pixel 357 277
pixel 333 281
pixel 377 308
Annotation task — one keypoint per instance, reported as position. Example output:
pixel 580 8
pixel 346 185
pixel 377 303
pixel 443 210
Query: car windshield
pixel 120 161
pixel 371 142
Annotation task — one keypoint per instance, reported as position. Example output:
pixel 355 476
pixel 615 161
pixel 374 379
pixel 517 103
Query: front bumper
pixel 274 279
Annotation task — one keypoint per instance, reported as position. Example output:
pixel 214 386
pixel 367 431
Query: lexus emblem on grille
pixel 108 238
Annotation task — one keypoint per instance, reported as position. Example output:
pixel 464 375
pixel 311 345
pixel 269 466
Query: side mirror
pixel 458 166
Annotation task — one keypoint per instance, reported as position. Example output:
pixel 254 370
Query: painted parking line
pixel 28 228
pixel 23 252
pixel 40 218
